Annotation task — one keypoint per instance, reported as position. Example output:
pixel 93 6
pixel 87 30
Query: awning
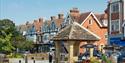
pixel 117 41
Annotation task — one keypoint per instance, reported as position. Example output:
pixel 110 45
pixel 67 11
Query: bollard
pixel 33 61
pixel 26 60
pixel 19 61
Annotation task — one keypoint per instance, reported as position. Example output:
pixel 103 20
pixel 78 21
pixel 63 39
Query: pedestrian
pixel 50 57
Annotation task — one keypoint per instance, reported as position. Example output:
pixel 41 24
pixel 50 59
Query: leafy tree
pixel 10 38
pixel 21 43
pixel 6 22
pixel 5 41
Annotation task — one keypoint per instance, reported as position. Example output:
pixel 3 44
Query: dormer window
pixel 90 22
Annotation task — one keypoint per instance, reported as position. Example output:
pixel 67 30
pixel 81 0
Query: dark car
pixel 86 55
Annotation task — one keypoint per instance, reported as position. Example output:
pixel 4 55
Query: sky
pixel 21 11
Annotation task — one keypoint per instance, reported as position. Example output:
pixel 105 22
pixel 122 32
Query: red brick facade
pixel 96 26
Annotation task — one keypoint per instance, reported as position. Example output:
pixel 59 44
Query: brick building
pixel 96 23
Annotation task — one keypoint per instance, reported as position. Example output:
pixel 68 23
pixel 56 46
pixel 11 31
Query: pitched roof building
pixel 38 24
pixel 96 23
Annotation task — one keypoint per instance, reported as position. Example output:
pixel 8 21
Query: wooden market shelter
pixel 72 35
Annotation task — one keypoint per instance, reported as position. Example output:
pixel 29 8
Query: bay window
pixel 115 26
pixel 115 7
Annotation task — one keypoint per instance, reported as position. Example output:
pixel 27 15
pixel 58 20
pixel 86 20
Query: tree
pixel 10 38
pixel 21 43
pixel 5 41
pixel 6 22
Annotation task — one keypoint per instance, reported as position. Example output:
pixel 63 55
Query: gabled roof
pixel 98 17
pixel 93 17
pixel 75 32
pixel 101 18
pixel 83 16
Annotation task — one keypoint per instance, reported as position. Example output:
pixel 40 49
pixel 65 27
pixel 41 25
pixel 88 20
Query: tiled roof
pixel 71 33
pixel 25 27
pixel 104 16
pixel 83 16
pixel 38 24
pixel 58 22
pixel 99 17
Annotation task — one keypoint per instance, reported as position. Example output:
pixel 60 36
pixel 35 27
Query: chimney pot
pixel 53 17
pixel 60 16
pixel 27 22
pixel 74 10
pixel 40 19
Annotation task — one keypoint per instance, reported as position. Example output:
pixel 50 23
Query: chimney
pixel 27 22
pixel 53 17
pixel 60 16
pixel 40 19
pixel 74 12
pixel 35 21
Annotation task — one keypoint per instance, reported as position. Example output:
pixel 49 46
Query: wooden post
pixel 57 57
pixel 71 48
pixel 91 52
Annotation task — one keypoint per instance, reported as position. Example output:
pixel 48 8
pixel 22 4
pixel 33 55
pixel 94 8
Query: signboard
pixel 117 41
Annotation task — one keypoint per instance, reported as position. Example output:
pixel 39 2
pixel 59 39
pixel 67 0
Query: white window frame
pixel 114 24
pixel 106 35
pixel 112 7
pixel 90 22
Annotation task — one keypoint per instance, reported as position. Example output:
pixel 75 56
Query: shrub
pixel 94 60
pixel 15 55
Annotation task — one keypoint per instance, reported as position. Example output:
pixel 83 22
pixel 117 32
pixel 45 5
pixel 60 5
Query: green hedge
pixel 15 55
